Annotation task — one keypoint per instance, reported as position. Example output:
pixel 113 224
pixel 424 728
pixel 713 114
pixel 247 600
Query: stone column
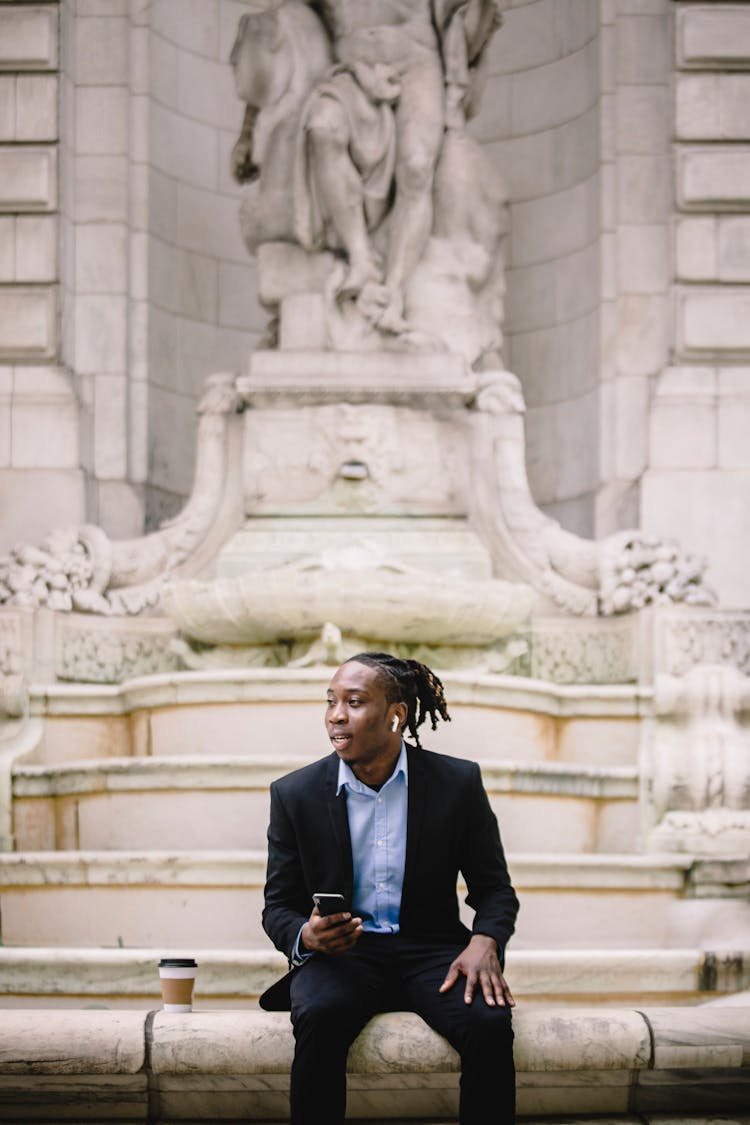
pixel 102 138
pixel 635 208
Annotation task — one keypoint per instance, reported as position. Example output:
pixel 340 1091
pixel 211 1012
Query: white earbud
pixel 394 726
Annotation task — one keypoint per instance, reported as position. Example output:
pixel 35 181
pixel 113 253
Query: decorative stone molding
pixel 348 458
pixel 620 574
pixel 102 651
pixel 18 734
pixel 14 698
pixel 10 644
pixel 637 570
pixel 70 562
pixel 698 769
pixel 81 569
pixel 686 638
pixel 584 651
pixel 464 598
pixel 19 738
pixel 392 603
pixel 509 656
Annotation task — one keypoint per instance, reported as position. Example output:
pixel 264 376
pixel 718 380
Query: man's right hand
pixel 333 934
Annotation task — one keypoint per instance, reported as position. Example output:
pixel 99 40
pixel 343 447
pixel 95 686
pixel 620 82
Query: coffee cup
pixel 177 977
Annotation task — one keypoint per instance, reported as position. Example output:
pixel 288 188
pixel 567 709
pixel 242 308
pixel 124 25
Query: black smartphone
pixel 329 903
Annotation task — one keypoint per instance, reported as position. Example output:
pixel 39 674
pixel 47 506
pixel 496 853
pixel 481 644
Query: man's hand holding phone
pixel 330 928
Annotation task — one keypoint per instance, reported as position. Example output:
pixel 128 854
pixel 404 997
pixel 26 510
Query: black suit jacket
pixel 450 829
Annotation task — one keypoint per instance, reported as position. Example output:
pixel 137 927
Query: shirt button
pixel 379 843
pixel 380 800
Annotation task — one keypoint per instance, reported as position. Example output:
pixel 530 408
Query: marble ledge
pixel 239 975
pixel 289 377
pixel 246 869
pixel 261 685
pixel 184 772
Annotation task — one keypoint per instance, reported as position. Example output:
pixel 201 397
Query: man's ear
pixel 399 717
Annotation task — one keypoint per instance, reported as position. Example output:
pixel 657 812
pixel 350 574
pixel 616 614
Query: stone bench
pixel 587 1063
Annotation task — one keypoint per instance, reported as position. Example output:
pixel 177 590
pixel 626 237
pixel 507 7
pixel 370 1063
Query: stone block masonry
pixel 704 396
pixel 28 182
pixel 206 1066
pixel 39 451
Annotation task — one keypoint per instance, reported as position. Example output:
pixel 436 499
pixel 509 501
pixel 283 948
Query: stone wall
pixel 97 215
pixel 39 453
pixel 158 288
pixel 540 120
pixel 203 311
pixel 636 205
pixel 698 481
pixel 585 145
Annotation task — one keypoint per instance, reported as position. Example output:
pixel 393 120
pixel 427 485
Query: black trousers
pixel 333 997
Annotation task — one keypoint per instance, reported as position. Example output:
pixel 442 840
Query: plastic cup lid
pixel 178 963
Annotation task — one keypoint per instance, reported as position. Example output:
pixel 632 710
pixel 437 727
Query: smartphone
pixel 329 903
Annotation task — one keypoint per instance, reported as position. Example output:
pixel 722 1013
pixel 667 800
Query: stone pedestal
pixel 357 483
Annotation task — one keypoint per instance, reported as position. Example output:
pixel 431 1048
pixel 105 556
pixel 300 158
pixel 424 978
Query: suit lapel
pixel 417 803
pixel 339 822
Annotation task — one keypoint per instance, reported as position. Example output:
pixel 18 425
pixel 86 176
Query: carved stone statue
pixel 355 127
pixel 697 764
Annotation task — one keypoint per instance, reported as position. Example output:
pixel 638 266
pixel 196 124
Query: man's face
pixel 359 718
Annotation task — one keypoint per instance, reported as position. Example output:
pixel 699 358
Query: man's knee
pixel 484 1022
pixel 327 122
pixel 415 171
pixel 328 1015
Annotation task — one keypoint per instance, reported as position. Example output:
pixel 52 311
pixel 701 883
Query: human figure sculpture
pixel 369 134
pixel 277 57
pixel 374 128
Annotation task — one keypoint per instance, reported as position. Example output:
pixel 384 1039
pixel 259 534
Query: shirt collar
pixel 347 777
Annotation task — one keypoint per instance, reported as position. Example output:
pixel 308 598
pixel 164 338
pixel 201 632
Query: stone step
pixel 279 712
pixel 120 803
pixel 234 978
pixel 214 900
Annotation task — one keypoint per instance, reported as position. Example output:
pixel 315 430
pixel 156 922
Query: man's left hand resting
pixel 480 965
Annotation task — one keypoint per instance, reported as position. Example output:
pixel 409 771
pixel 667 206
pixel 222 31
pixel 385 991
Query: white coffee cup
pixel 177 977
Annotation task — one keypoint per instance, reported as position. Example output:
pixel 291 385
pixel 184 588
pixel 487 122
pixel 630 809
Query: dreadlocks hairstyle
pixel 412 683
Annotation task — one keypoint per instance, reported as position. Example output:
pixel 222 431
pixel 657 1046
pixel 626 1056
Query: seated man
pixel 390 826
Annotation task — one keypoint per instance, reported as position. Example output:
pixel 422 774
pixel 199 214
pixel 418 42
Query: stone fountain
pixel 366 474
pixel 363 483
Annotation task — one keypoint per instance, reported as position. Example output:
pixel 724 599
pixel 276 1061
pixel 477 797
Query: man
pixel 390 826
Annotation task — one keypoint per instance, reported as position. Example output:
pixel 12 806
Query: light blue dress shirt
pixel 377 827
